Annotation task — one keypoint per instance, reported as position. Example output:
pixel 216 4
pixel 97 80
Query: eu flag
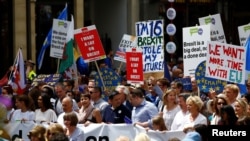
pixel 63 16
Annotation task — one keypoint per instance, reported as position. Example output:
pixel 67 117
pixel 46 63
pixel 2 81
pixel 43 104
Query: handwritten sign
pixel 134 66
pixel 217 32
pixel 127 41
pixel 226 62
pixel 150 39
pixel 89 43
pixel 194 47
pixel 244 33
pixel 58 38
pixel 50 79
pixel 207 84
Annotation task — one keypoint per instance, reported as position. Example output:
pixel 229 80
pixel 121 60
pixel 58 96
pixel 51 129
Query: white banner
pixel 98 132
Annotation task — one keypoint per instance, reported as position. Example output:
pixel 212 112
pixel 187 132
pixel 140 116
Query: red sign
pixel 89 43
pixel 134 67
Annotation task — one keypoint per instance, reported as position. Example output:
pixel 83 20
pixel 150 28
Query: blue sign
pixel 186 82
pixel 110 78
pixel 206 84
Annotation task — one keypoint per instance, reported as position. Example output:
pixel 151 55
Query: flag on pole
pixel 63 16
pixel 166 72
pixel 242 87
pixel 68 55
pixel 247 46
pixel 17 80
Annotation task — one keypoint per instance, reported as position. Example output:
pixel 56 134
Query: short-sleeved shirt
pixel 144 112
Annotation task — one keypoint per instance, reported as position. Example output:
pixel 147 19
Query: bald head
pixel 67 104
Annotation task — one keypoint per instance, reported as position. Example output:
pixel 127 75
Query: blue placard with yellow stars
pixel 206 84
pixel 109 77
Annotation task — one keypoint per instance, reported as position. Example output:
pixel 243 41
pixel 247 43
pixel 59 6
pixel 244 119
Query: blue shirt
pixel 77 135
pixel 111 115
pixel 144 112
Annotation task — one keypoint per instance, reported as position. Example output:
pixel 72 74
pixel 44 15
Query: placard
pixel 89 43
pixel 58 38
pixel 226 62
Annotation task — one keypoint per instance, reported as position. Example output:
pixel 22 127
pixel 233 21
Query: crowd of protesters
pixel 65 105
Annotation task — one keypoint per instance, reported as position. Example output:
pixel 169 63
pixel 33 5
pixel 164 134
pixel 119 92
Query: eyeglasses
pixel 221 103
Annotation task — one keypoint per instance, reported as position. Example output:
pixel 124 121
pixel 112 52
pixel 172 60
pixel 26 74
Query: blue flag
pixel 166 72
pixel 247 46
pixel 243 88
pixel 63 16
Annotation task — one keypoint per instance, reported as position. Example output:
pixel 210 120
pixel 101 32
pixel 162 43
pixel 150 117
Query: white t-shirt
pixel 48 116
pixel 178 121
pixel 200 119
pixel 18 115
pixel 168 116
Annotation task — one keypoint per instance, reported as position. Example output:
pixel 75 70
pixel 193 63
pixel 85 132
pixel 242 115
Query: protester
pixel 96 97
pixel 240 108
pixel 219 101
pixel 195 88
pixel 177 86
pixel 37 133
pixel 69 84
pixel 179 117
pixel 143 110
pixel 122 138
pixel 34 93
pixel 192 136
pixel 23 112
pixel 231 91
pixel 158 123
pixel 116 112
pixel 67 105
pixel 73 132
pixel 53 129
pixel 30 72
pixel 59 137
pixel 61 94
pixel 142 137
pixel 88 113
pixel 194 105
pixel 228 116
pixel 164 84
pixel 45 112
pixel 124 92
pixel 170 107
